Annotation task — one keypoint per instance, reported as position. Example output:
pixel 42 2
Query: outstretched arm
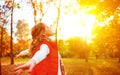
pixel 29 65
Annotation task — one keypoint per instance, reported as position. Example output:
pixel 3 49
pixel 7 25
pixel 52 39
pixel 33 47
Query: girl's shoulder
pixel 50 43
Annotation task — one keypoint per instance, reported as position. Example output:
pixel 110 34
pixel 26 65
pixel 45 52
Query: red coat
pixel 49 66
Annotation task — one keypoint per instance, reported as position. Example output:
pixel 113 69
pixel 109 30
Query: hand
pixel 18 71
pixel 29 65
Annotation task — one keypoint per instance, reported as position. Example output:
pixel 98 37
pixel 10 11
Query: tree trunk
pixel 11 42
pixel 1 48
pixel 58 17
pixel 119 60
pixel 35 12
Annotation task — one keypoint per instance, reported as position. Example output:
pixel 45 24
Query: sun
pixel 77 25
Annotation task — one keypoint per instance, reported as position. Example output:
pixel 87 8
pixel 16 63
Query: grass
pixel 73 66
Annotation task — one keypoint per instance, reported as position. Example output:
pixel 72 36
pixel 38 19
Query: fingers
pixel 17 68
pixel 18 72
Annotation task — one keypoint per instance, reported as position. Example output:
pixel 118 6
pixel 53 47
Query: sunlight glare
pixel 89 21
pixel 76 25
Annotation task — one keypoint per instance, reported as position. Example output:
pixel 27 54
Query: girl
pixel 45 57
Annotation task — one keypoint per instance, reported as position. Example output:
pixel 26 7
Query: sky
pixel 71 23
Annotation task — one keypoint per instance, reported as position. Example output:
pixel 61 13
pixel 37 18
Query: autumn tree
pixel 106 30
pixel 77 47
pixel 22 36
pixel 5 13
pixel 5 43
pixel 63 47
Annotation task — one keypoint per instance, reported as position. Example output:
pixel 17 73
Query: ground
pixel 75 66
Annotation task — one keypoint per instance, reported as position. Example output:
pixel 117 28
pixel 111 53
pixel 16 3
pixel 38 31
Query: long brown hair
pixel 38 34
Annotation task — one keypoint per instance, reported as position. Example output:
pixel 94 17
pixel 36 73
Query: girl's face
pixel 48 31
